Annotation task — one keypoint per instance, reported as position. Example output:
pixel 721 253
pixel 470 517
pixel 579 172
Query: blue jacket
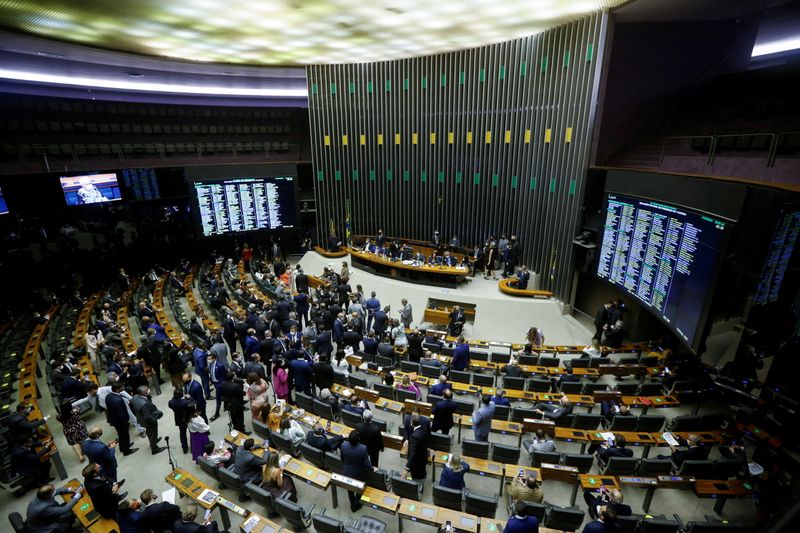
pixel 522 279
pixel 218 373
pixel 99 453
pixel 323 344
pixel 453 480
pixel 116 410
pixel 596 526
pixel 373 304
pixel 200 363
pixel 196 392
pixel 501 400
pixel 301 372
pixel 370 345
pixel 439 388
pixel 482 420
pixel 250 345
pixel 301 301
pixel 356 460
pixel 460 360
pixel 379 325
pixel 528 524
pixel 338 331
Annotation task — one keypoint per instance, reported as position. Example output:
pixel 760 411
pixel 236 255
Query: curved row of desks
pixel 506 286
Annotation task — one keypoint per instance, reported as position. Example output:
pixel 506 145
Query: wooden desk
pixel 646 402
pixel 568 474
pixel 595 481
pixel 395 442
pixel 506 287
pixel 380 500
pixel 259 524
pixel 441 315
pixel 189 485
pixel 721 490
pixel 425 513
pixel 622 370
pixel 85 513
pixel 498 426
pixel 325 253
pixel 440 276
pixel 481 467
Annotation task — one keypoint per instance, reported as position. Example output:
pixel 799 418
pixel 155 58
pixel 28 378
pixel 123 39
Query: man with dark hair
pixel 101 453
pixel 103 492
pixel 45 515
pixel 26 461
pixel 182 406
pixel 19 424
pixel 460 360
pixel 355 459
pixel 157 516
pixel 147 414
pixel 318 439
pixel 521 522
pixel 194 390
pixel 443 413
pixel 605 522
pixel 232 394
pixel 482 419
pixel 247 464
pixel 216 374
pixel 417 448
pixel 601 320
pixel 370 434
pixel 117 417
pixel 611 448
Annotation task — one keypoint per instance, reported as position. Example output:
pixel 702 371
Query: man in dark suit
pixel 195 392
pixel 157 516
pixel 302 374
pixel 443 413
pixel 417 448
pixel 607 450
pixel 370 434
pixel 101 453
pixel 233 395
pixel 601 320
pixel 523 276
pixel 323 341
pixel 610 410
pixel 117 417
pixel 370 343
pixel 247 464
pixel 26 461
pixel 552 412
pixel 380 318
pixel 186 523
pixel 318 439
pixel 338 330
pixel 103 492
pixel 695 452
pixel 460 360
pixel 46 515
pixel 216 374
pixel 301 281
pixel 380 239
pixel 19 424
pixel 323 373
pixel 355 458
pixel 457 320
pixel 182 406
pixel 606 497
pixel 301 307
pixel 148 415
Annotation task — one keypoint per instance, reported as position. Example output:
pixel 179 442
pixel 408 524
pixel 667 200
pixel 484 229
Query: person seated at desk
pixel 217 456
pixel 369 246
pixel 186 523
pixel 318 439
pixel 542 442
pixel 695 452
pixel 19 425
pixel 525 488
pixel 429 360
pixel 551 412
pixel 433 339
pixel 325 395
pixel 453 473
pixel 440 386
pixel 521 522
pixel 46 515
pixel 611 498
pixel 383 251
pixel 611 409
pixel 512 369
pixel 610 448
pixel 103 493
pixel 460 359
pixel 292 430
pixel 370 343
pixel 523 276
pixel 129 517
pixel 605 522
pixel 26 461
pixel 354 405
pixel 435 260
pixel 385 347
pixel 499 398
pixel 448 260
pixel 247 464
pixel 409 385
pixel 418 257
pixel 443 412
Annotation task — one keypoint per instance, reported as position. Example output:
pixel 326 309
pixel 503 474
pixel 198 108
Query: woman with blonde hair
pixel 453 473
pixel 274 481
pixel 535 337
pixel 409 385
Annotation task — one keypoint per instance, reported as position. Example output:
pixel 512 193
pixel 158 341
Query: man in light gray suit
pixel 220 349
pixel 406 316
pixel 147 415
pixel 247 464
pixel 46 515
pixel 541 443
pixel 482 419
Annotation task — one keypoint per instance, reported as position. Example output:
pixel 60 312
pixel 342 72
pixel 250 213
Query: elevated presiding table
pixel 436 275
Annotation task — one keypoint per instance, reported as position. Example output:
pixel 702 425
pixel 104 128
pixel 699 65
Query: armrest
pixel 286 493
pixel 681 523
pixel 307 512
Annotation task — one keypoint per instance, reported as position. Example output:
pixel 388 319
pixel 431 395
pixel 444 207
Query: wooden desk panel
pixel 189 485
pixel 380 500
pixel 380 260
pixel 85 513
pixel 261 525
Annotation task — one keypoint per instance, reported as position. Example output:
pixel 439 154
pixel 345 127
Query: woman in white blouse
pixel 92 338
pixel 291 429
pixel 198 434
pixel 340 363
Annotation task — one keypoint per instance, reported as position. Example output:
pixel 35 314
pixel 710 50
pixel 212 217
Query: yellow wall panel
pixel 548 134
pixel 568 136
pixel 362 139
pixel 450 137
pixel 396 138
pixel 327 140
pixel 469 137
pixel 508 136
pixel 380 138
pixel 527 136
pixel 344 140
pixel 414 138
pixel 488 137
pixel 433 137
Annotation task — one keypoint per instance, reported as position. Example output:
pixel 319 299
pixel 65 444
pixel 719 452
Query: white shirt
pixel 340 366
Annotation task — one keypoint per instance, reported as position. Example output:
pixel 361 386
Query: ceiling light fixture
pixel 97 83
pixel 774 47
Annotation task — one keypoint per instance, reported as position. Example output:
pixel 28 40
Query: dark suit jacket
pixel 418 453
pixel 370 435
pixel 180 409
pixel 301 282
pixel 248 465
pixel 695 453
pixel 99 453
pixel 320 442
pixel 116 410
pixel 233 395
pixel 196 392
pixel 323 343
pixel 606 453
pixel 356 460
pixel 160 516
pixel 323 375
pixel 460 359
pixel 179 526
pixel 104 500
pixel 443 415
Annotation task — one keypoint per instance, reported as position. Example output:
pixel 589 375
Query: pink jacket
pixel 281 383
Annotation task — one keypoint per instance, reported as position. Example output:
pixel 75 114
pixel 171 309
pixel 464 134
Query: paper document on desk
pixel 670 438
pixel 250 523
pixel 169 495
pixel 755 468
pixel 284 460
pixel 608 436
pixel 208 496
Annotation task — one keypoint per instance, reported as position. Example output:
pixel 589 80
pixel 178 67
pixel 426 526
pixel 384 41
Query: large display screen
pixel 665 256
pixel 3 204
pixel 141 183
pixel 245 204
pixel 777 262
pixel 91 189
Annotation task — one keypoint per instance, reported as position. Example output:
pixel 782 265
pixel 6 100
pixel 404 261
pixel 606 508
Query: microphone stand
pixel 172 462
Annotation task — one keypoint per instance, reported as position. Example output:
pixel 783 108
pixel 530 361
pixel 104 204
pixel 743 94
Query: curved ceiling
pixel 289 32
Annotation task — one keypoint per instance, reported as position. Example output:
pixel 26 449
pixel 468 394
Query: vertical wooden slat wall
pixel 486 141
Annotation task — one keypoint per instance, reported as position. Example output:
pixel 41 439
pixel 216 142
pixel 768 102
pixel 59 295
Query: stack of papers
pixel 671 440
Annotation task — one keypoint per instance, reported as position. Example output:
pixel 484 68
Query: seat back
pixel 564 518
pixel 386 391
pixel 385 362
pixel 712 421
pixel 433 399
pixel 379 479
pixel 591 388
pixel 531 359
pixel 283 443
pixel 464 407
pixel 208 467
pixel 728 468
pixel 514 383
pixel 659 525
pixel 367 524
pixel 305 401
pixel 518 413
pixel 334 463
pixel 292 513
pixel 326 524
pixel 500 358
pixel 623 423
pixel 478 355
pixel 324 409
pixel 539 385
pixel 586 421
pixel 409 366
pixel 532 509
pixel 350 418
pixel 440 442
pixel 686 423
pixel 406 488
pixel 402 394
pixel 357 381
pixel 583 462
pixel 698 469
pixel 627 388
pixel 628 524
pixel 474 448
pixel 621 466
pixel 502 453
pixel 261 429
pixel 260 496
pixel 17 522
pixel 548 361
pixel 577 362
pixel 340 378
pixel 501 412
pixel 546 457
pixel 651 388
pixel 484 380
pixel 229 478
pixel 449 498
pixel 655 467
pixel 460 377
pixel 571 387
pixel 650 423
pixel 485 506
pixel 313 455
pixel 430 371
